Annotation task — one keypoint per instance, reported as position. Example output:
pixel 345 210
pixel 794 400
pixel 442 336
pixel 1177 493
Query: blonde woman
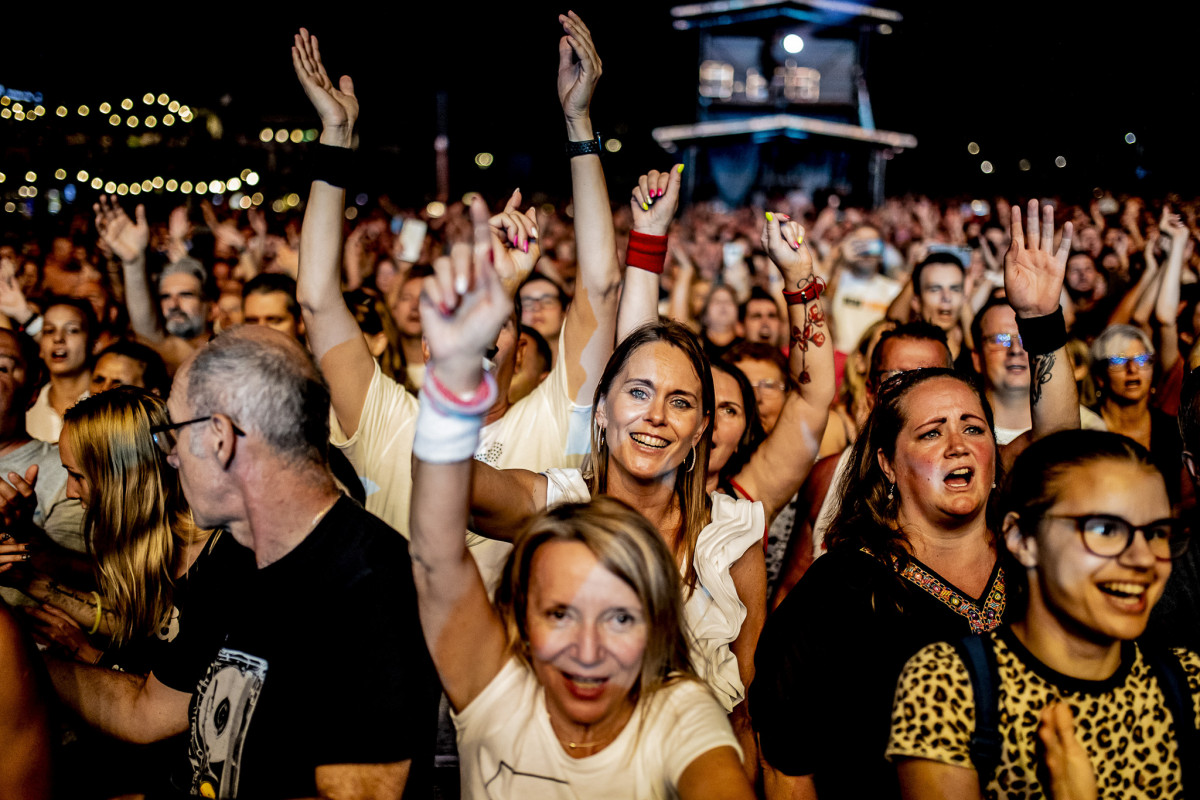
pixel 148 553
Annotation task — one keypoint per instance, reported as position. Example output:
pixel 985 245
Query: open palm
pixel 336 105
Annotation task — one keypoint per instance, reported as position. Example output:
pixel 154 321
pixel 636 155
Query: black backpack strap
pixel 1174 684
pixel 980 660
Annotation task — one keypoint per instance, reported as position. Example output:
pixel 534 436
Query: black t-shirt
pixel 826 670
pixel 323 663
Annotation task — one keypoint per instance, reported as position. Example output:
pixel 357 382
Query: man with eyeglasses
pixel 1001 360
pixel 322 682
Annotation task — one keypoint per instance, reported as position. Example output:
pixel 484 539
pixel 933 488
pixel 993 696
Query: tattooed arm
pixel 1033 278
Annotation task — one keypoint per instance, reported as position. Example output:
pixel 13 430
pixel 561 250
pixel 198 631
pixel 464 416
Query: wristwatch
pixel 584 148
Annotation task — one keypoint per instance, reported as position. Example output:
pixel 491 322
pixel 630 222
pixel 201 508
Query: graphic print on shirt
pixel 169 629
pixel 221 713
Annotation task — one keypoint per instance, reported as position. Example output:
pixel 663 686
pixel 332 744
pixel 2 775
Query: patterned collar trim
pixel 983 615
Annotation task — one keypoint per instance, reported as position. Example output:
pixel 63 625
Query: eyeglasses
pixel 1108 536
pixel 1004 340
pixel 1144 360
pixel 538 302
pixel 164 435
pixel 769 385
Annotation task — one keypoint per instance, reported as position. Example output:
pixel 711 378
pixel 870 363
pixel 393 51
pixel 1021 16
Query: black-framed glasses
pixel 1108 536
pixel 1143 360
pixel 538 302
pixel 1004 340
pixel 164 435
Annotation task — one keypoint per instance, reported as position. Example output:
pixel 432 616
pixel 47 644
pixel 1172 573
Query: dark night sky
pixel 1069 81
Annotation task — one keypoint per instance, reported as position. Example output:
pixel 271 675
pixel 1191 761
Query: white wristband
pixel 445 436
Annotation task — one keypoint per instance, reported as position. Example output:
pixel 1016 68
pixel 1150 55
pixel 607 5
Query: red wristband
pixel 806 295
pixel 646 251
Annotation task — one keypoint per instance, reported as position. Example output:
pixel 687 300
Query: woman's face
pixel 587 634
pixel 722 310
pixel 78 487
pixel 1089 595
pixel 652 415
pixel 64 345
pixel 729 421
pixel 1129 382
pixel 945 458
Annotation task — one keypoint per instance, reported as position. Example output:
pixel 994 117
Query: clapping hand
pixel 1033 277
pixel 126 238
pixel 336 105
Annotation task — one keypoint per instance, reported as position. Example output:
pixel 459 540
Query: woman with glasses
pixel 1125 373
pixel 1080 703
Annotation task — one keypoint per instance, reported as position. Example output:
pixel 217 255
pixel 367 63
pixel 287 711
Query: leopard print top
pixel 1123 722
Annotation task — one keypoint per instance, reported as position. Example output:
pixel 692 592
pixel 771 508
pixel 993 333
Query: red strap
pixel 806 295
pixel 646 251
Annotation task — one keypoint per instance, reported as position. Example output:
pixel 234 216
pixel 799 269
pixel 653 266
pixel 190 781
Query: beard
pixel 184 326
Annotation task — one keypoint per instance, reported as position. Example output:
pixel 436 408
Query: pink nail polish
pixel 526 247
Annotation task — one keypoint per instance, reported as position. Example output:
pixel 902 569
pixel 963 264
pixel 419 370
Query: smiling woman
pixel 1089 525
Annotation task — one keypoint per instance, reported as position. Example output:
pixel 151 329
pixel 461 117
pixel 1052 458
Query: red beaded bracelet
pixel 806 295
pixel 646 251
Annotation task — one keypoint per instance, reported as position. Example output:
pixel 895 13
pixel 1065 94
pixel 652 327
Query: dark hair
pixel 977 321
pixel 540 344
pixel 753 433
pixel 867 517
pixel 690 484
pixel 564 299
pixel 154 375
pixel 1040 473
pixel 761 351
pixel 915 331
pixel 756 293
pixel 373 317
pixel 85 310
pixel 1189 414
pixel 933 259
pixel 272 283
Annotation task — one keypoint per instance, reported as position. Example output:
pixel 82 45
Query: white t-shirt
pixel 858 303
pixel 714 613
pixel 540 431
pixel 507 748
pixel 42 421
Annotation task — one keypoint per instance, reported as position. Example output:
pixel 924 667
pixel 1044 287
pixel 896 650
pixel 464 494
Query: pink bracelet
pixel 447 402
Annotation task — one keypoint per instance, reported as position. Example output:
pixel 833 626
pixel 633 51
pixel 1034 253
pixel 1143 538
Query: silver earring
pixel 993 484
pixel 603 432
pixel 693 466
pixel 891 492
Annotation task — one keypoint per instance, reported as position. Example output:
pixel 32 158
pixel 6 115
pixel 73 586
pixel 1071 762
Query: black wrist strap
pixel 333 165
pixel 1042 335
pixel 586 148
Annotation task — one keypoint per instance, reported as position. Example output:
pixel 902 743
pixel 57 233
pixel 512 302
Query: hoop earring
pixel 603 434
pixel 693 466
pixel 891 492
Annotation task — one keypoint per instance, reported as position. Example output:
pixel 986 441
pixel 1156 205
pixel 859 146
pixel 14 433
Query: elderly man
pixel 321 685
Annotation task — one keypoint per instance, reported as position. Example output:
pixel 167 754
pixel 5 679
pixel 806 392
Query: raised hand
pixel 18 501
pixel 126 238
pixel 1033 277
pixel 783 239
pixel 655 200
pixel 1172 224
pixel 1071 775
pixel 514 238
pixel 336 105
pixel 578 70
pixel 464 306
pixel 13 303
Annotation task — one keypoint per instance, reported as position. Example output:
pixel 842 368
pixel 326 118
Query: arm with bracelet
pixel 1033 279
pixel 333 334
pixel 654 202
pixel 590 326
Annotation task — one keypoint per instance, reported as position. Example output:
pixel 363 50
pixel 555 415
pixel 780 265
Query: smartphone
pixel 412 239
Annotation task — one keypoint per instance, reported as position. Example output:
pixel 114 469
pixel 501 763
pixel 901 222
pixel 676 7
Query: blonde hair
pixel 136 511
pixel 628 546
pixel 695 506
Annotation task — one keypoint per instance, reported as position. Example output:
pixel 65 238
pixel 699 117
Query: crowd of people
pixel 596 500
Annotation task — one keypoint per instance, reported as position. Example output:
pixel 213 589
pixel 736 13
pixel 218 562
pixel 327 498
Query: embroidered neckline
pixel 982 616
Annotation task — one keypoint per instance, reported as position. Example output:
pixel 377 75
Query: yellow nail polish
pixel 770 216
pixel 645 207
pixel 679 168
pixel 800 239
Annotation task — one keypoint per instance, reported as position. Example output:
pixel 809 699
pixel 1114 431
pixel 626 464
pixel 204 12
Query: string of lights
pixel 11 109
